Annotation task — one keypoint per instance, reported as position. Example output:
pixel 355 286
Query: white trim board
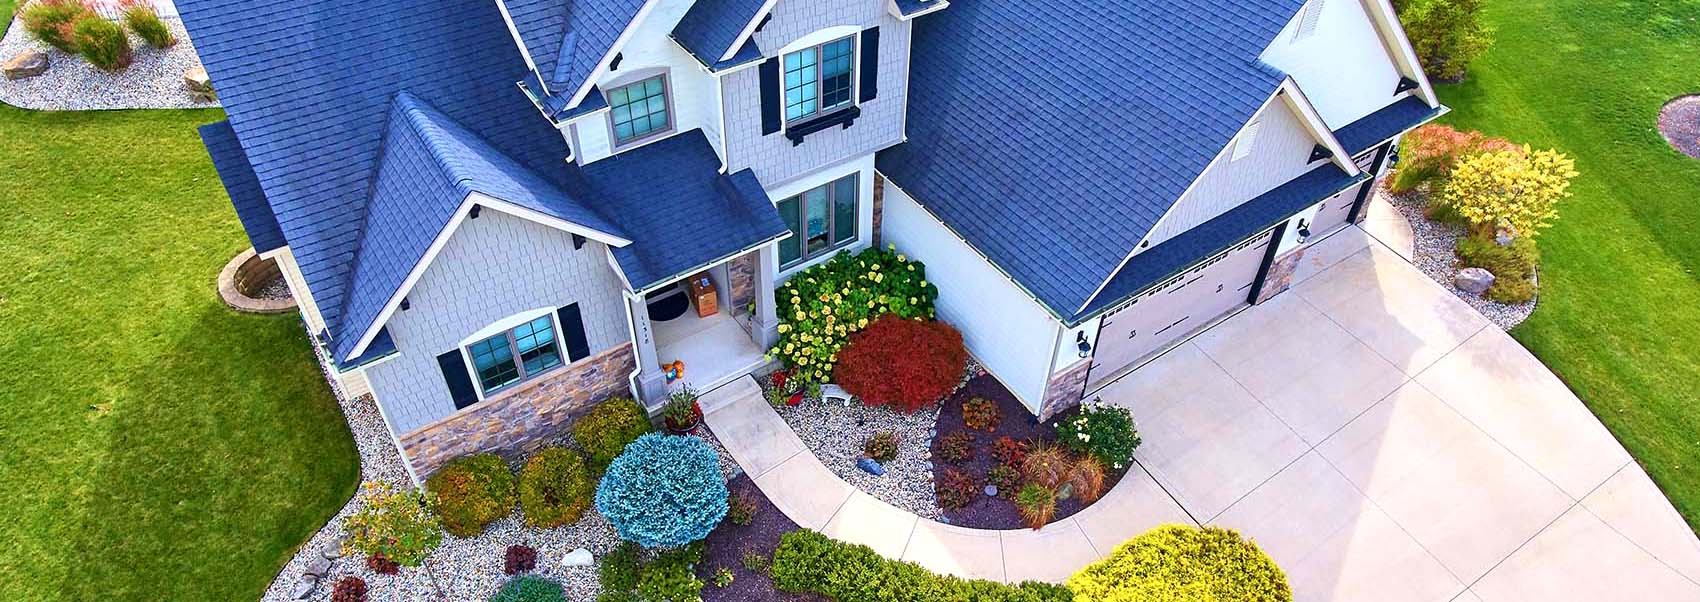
pixel 613 50
pixel 1386 22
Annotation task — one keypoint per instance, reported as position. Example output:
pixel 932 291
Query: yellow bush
pixel 1510 189
pixel 1177 563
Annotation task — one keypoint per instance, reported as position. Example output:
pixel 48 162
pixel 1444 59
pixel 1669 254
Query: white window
pixel 819 79
pixel 1308 20
pixel 821 220
pixel 639 110
pixel 1247 140
pixel 516 354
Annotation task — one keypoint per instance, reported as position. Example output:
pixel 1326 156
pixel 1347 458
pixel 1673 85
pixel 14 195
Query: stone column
pixel 651 382
pixel 766 325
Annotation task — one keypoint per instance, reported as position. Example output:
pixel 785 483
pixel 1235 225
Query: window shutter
pixel 870 58
pixel 458 380
pixel 770 96
pixel 572 325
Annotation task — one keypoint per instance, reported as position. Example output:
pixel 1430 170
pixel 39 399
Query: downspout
pixel 631 331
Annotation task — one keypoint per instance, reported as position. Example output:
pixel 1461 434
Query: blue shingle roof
pixel 242 186
pixel 428 167
pixel 567 39
pixel 710 28
pixel 1224 231
pixel 681 212
pixel 1053 135
pixel 1378 127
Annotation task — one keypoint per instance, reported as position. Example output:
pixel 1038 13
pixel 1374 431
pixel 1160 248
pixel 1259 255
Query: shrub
pixel 1511 190
pixel 1086 479
pixel 669 578
pixel 102 43
pixel 1207 564
pixel 349 589
pixel 981 414
pixel 1037 505
pixel 608 428
pixel 1102 431
pixel 742 510
pixel 755 562
pixel 664 491
pixel 472 492
pixel 1429 153
pixel 723 577
pixel 882 447
pixel 1513 266
pixel 519 559
pixel 530 588
pixel 382 566
pixel 395 524
pixel 618 571
pixel 1447 34
pixel 906 363
pixel 957 446
pixel 54 22
pixel 141 17
pixel 808 562
pixel 554 487
pixel 1005 478
pixel 1046 465
pixel 955 489
pixel 820 307
pixel 1009 451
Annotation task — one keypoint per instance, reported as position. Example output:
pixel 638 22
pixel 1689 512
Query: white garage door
pixel 1334 211
pixel 1176 308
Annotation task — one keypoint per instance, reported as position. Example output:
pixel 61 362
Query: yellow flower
pixel 863 323
pixel 923 284
pixel 901 258
pixel 911 300
pixel 891 245
pixel 789 348
pixel 875 267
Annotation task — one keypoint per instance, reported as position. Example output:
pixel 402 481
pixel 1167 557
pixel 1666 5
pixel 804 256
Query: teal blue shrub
pixel 663 491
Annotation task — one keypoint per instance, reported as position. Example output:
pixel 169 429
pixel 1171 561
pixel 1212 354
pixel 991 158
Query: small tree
pixel 1510 189
pixel 1447 34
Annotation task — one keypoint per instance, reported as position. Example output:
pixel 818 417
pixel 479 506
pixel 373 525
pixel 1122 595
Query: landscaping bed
pixel 747 550
pixel 1437 257
pixel 154 79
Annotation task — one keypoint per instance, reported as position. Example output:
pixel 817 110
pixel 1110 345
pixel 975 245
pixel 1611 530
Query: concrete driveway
pixel 1383 442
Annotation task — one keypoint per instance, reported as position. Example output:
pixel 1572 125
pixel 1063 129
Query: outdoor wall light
pixel 1304 231
pixel 1081 344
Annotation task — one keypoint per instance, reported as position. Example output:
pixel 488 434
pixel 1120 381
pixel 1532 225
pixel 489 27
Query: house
pixel 493 213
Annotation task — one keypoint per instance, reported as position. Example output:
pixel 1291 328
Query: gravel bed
pixel 153 81
pixel 1437 255
pixel 1679 123
pixel 276 290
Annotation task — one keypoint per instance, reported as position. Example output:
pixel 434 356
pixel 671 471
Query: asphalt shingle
pixel 243 186
pixel 710 28
pixel 1382 125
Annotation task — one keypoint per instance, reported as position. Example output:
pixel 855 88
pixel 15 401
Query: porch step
pixel 724 395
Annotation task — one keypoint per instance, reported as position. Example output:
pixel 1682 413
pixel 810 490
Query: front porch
pixel 705 330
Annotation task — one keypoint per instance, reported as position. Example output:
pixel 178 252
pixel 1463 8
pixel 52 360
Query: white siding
pixel 693 93
pixel 1343 67
pixel 1003 327
pixel 1280 153
pixel 491 268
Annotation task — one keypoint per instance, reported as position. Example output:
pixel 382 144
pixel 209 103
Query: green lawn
pixel 1619 316
pixel 154 445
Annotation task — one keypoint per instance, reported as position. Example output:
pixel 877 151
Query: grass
pixel 1619 314
pixel 154 445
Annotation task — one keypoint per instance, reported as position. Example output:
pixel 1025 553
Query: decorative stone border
pixel 243 276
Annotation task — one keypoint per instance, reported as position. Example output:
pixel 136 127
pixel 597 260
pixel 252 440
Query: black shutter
pixel 770 99
pixel 573 325
pixel 870 64
pixel 455 375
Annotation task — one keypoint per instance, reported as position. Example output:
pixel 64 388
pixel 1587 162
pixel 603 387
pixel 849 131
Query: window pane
pixel 494 362
pixel 790 248
pixel 537 348
pixel 635 109
pixel 844 203
pixel 800 87
pixel 815 208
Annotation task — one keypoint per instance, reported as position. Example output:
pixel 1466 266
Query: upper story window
pixel 821 219
pixel 639 110
pixel 515 355
pixel 819 79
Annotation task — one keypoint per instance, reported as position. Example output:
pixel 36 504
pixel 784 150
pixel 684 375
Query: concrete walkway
pixel 1367 429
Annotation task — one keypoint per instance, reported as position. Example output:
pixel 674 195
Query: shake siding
pixel 493 267
pixel 1280 153
pixel 773 158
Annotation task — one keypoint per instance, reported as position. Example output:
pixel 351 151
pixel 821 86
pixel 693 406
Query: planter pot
pixel 685 429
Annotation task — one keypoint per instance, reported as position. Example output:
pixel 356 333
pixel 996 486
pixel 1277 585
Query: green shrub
pixel 472 492
pixel 143 20
pixel 668 578
pixel 1036 504
pixel 604 432
pixel 530 588
pixel 102 43
pixel 53 22
pixel 820 307
pixel 395 524
pixel 1513 267
pixel 1102 431
pixel 808 562
pixel 1447 34
pixel 1183 564
pixel 1428 154
pixel 618 570
pixel 664 491
pixel 554 488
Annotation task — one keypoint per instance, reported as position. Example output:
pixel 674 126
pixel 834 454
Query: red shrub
pixel 349 589
pixel 955 489
pixel 909 364
pixel 519 559
pixel 382 566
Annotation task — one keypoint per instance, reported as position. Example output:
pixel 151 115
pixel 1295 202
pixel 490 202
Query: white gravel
pixel 153 81
pixel 1437 257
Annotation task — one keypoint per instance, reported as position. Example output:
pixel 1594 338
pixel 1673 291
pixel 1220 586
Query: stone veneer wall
pixel 879 206
pixel 521 420
pixel 1065 389
pixel 742 272
pixel 1280 275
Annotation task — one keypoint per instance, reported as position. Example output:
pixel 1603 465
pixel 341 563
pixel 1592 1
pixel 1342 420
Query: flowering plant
pixel 820 307
pixel 394 523
pixel 1102 431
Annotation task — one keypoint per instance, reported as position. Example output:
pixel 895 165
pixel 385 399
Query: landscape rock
pixel 868 465
pixel 579 557
pixel 1504 236
pixel 28 64
pixel 199 84
pixel 1473 280
pixel 319 567
pixel 991 491
pixel 303 588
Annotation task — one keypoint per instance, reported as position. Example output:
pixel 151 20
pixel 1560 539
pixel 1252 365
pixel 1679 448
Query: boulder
pixel 1473 280
pixel 303 588
pixel 868 465
pixel 579 557
pixel 199 84
pixel 991 491
pixel 29 63
pixel 1504 236
pixel 319 567
pixel 331 551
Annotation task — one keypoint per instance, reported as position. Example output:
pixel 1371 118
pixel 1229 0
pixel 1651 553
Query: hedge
pixel 808 562
pixel 1176 563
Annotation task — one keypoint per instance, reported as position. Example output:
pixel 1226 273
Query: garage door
pixel 1338 209
pixel 1176 308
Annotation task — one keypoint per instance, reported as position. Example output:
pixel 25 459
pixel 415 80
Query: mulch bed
pixel 728 543
pixel 1679 122
pixel 1018 423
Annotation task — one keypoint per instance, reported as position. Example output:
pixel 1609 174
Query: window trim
pixel 615 143
pixel 820 87
pixel 803 255
pixel 506 326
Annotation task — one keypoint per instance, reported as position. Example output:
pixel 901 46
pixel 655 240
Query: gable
pixel 1344 65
